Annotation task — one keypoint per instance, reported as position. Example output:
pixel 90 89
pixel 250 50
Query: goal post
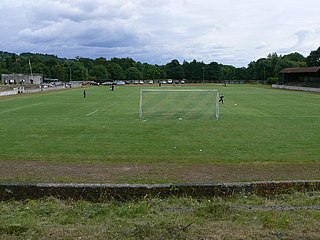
pixel 179 103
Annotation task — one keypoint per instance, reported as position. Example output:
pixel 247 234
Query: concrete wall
pixel 104 192
pixel 307 89
pixel 18 90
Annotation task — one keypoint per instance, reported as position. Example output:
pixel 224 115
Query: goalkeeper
pixel 221 98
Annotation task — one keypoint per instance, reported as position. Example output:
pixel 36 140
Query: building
pixel 304 77
pixel 18 78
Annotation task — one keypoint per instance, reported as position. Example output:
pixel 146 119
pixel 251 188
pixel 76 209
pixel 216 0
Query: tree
pixel 87 63
pixel 197 71
pixel 42 69
pixel 314 58
pixel 228 72
pixel 213 71
pixel 60 72
pixel 295 57
pixel 101 61
pixel 116 71
pixel 78 71
pixel 283 63
pixel 99 73
pixel 241 73
pixel 154 72
pixel 124 63
pixel 264 69
pixel 174 70
pixel 133 73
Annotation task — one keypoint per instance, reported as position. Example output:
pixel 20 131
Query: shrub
pixel 272 80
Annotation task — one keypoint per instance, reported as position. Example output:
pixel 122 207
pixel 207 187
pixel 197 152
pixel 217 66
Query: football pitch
pixel 257 124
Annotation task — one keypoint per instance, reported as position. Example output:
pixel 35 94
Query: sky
pixel 231 32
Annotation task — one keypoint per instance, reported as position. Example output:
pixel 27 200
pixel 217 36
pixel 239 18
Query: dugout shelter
pixel 304 76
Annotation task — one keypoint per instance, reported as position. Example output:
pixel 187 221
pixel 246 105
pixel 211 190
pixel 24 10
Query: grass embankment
pixel 294 216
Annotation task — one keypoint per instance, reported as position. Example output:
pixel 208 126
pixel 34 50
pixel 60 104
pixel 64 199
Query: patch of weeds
pixel 155 231
pixel 67 220
pixel 96 211
pixel 214 211
pixel 132 209
pixel 272 220
pixel 13 229
pixel 68 217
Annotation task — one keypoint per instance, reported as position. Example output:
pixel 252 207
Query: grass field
pixel 265 125
pixel 61 137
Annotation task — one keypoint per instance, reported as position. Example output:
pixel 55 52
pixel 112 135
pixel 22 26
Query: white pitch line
pixel 89 114
pixel 20 108
pixel 263 113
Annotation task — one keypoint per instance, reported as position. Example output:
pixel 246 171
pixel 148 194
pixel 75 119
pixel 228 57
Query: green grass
pixel 242 217
pixel 178 104
pixel 265 125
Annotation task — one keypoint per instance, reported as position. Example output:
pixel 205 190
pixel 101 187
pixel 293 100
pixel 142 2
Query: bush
pixel 272 80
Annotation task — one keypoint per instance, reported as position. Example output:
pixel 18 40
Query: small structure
pixel 18 78
pixel 304 77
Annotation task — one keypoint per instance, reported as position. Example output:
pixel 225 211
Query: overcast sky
pixel 231 32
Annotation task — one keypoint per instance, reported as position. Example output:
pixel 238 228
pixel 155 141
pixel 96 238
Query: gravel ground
pixel 36 171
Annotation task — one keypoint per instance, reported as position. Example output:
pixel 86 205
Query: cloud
pixel 231 32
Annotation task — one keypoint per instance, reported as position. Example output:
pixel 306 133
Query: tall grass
pixel 243 217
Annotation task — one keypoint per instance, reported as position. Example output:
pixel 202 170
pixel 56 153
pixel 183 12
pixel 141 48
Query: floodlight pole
pixel 30 70
pixel 202 74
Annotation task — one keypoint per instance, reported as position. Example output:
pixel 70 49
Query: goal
pixel 182 103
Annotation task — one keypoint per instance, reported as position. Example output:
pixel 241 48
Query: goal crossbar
pixel 142 91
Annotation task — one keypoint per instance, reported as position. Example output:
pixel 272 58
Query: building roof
pixel 301 70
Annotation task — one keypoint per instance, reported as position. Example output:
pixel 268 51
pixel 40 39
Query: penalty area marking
pixel 89 114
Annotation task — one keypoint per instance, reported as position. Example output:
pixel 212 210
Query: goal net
pixel 184 103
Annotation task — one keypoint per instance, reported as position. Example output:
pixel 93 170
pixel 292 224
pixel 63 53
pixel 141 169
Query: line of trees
pixel 101 69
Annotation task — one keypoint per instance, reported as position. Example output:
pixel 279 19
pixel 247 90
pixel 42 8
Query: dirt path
pixel 35 171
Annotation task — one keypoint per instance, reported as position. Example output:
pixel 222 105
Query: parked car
pixel 141 82
pixel 169 81
pixel 107 83
pixel 151 82
pixel 94 83
pixel 120 83
pixel 136 82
